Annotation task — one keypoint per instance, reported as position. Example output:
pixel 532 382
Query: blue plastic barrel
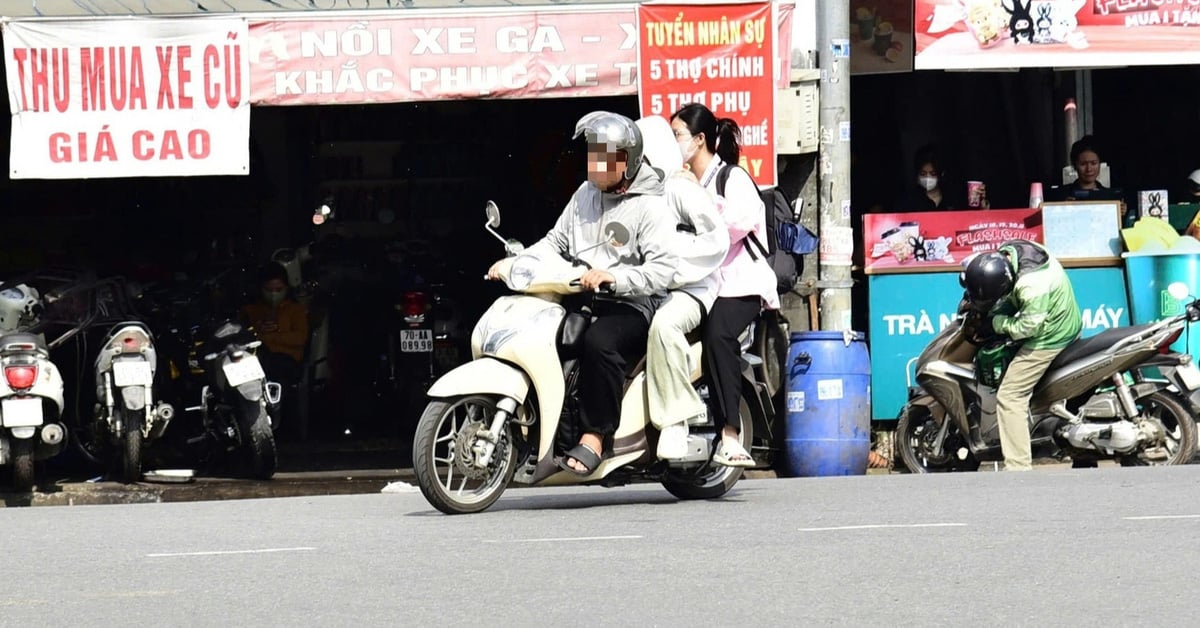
pixel 828 426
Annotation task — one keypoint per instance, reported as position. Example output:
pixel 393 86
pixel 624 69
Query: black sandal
pixel 582 454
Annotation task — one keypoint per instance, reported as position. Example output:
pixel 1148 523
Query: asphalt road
pixel 1105 546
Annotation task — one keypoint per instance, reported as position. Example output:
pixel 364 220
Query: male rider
pixel 619 224
pixel 1029 298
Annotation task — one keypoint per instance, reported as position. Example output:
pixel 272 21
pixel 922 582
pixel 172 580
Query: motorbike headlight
pixel 520 275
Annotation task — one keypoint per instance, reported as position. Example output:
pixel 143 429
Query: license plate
pixel 416 340
pixel 245 370
pixel 1189 375
pixel 132 373
pixel 21 412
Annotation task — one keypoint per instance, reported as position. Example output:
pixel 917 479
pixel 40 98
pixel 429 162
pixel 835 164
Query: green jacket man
pixel 1041 308
pixel 1030 298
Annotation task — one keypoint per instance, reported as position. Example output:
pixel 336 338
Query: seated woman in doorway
pixel 931 190
pixel 701 242
pixel 282 325
pixel 747 285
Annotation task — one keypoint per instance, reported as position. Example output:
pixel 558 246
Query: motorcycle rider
pixel 1022 292
pixel 701 241
pixel 708 144
pixel 622 209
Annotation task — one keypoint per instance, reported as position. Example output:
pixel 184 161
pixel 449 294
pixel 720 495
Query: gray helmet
pixel 615 131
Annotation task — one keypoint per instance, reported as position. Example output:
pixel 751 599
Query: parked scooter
pixel 1121 394
pixel 233 402
pixel 504 416
pixel 31 391
pixel 127 412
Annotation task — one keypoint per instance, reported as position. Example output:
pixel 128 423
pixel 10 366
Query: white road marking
pixel 878 526
pixel 225 552
pixel 564 539
pixel 1153 517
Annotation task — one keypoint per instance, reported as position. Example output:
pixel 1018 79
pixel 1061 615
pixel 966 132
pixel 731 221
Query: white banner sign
pixel 128 98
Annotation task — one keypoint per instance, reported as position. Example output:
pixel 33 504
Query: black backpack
pixel 791 241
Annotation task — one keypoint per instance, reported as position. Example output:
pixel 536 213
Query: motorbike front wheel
pixel 1178 425
pixel 22 464
pixel 131 446
pixel 443 455
pixel 915 434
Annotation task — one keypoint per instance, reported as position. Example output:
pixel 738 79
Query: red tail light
pixel 20 377
pixel 415 306
pixel 1165 347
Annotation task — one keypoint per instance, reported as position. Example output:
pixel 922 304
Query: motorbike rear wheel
pixel 445 430
pixel 714 480
pixel 22 464
pixel 1180 427
pixel 914 434
pixel 131 446
pixel 259 441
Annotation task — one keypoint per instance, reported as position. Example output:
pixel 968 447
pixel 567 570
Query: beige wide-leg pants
pixel 670 396
pixel 1012 405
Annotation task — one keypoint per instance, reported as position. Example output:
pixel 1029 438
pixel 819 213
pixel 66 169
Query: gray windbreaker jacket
pixel 635 228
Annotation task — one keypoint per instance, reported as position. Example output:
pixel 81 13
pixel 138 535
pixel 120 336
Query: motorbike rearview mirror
pixel 1178 290
pixel 493 214
pixel 493 221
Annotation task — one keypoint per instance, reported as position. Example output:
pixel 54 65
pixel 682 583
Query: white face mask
pixel 686 149
pixel 928 182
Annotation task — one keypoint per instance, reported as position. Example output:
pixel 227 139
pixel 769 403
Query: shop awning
pixel 111 8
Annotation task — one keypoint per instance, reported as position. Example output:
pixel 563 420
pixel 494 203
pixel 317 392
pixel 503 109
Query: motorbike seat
pixel 1090 346
pixel 23 338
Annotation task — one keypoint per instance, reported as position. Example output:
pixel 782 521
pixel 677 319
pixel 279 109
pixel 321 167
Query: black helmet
pixel 988 278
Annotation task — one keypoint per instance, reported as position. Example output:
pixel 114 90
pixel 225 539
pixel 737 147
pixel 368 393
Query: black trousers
pixel 722 353
pixel 613 343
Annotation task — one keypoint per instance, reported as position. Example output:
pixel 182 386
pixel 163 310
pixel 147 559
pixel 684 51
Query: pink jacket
pixel 743 211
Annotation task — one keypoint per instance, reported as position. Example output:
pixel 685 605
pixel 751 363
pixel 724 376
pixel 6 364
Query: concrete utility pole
pixel 837 236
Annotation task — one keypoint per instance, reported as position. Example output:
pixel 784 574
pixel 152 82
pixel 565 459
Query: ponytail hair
pixel 728 144
pixel 722 137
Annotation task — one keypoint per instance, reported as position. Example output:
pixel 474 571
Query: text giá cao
pixel 130 78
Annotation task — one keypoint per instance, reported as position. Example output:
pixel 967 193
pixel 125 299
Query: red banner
pixel 975 34
pixel 720 56
pixel 421 56
pixel 917 241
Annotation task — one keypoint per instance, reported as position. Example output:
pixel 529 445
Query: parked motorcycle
pixel 31 392
pixel 128 416
pixel 504 416
pixel 233 402
pixel 1121 394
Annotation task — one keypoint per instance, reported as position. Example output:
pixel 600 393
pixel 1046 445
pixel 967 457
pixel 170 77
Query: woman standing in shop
pixel 709 145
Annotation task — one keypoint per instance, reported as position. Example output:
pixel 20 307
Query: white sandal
pixel 732 454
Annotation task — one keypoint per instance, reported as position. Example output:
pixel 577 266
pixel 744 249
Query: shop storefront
pixel 404 121
pixel 1007 126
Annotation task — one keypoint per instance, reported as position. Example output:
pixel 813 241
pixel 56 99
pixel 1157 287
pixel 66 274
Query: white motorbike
pixel 31 391
pixel 126 411
pixel 504 416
